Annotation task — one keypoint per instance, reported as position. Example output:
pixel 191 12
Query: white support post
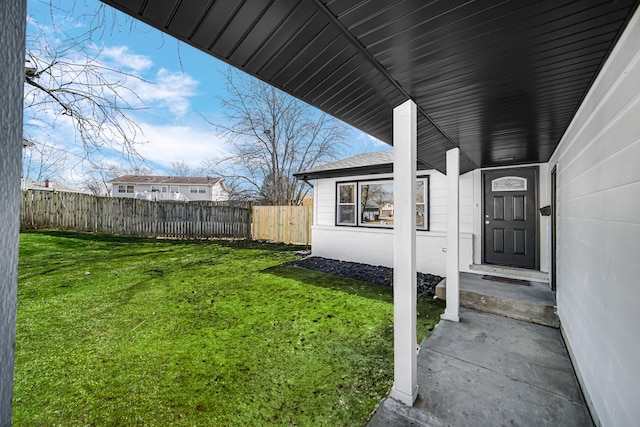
pixel 453 236
pixel 405 129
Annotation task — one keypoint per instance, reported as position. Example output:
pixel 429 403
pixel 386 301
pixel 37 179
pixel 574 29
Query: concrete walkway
pixel 490 370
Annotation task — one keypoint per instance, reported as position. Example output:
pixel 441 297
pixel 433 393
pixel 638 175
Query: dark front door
pixel 510 217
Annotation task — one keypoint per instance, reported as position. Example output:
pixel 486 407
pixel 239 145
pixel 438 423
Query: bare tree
pixel 181 169
pixel 67 84
pixel 273 135
pixel 42 161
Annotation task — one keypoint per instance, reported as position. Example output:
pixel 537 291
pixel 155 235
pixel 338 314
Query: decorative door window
pixel 509 183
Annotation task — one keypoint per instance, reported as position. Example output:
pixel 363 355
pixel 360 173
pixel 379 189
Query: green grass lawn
pixel 120 331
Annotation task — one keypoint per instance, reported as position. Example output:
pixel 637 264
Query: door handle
pixel 487 222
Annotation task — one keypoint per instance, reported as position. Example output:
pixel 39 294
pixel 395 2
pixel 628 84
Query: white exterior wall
pixel 598 286
pixel 218 193
pixel 374 245
pixel 13 15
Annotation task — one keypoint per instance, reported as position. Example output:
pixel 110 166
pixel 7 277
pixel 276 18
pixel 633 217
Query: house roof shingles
pixel 153 179
pixel 361 164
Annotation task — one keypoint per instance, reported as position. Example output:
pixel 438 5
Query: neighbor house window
pixel 346 204
pixel 122 188
pixel 198 190
pixel 129 188
pixel 174 189
pixel 371 202
pixel 155 188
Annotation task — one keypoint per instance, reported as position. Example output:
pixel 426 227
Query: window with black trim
pixel 370 203
pixel 346 214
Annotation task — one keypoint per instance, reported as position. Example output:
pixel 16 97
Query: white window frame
pixel 358 210
pixel 353 204
pixel 174 189
pixel 122 188
pixel 155 188
pixel 131 189
pixel 424 203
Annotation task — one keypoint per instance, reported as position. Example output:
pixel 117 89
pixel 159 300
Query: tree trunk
pixel 13 18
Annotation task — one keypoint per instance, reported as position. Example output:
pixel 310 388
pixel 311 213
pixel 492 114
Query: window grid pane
pixel 346 193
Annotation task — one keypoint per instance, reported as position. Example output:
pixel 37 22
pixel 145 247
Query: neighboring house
pixel 47 185
pixel 178 188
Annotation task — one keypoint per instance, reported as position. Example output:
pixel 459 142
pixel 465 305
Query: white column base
pixel 450 316
pixel 402 397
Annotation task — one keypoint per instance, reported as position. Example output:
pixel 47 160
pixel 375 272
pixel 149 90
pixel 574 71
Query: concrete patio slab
pixel 490 370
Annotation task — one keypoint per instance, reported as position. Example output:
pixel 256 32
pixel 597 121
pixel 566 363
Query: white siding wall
pixel 374 246
pixel 438 185
pixel 218 194
pixel 598 290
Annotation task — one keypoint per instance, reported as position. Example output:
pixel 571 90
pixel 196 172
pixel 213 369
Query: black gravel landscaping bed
pixel 365 272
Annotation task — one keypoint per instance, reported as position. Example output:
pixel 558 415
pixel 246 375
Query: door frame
pixel 554 228
pixel 536 174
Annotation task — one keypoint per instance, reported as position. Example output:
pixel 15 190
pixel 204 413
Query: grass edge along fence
pixel 132 217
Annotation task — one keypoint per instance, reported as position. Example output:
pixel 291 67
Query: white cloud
pixel 174 143
pixel 122 57
pixel 171 90
pixel 168 90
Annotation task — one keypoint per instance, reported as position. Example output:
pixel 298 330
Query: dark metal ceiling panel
pixel 500 79
pixel 160 12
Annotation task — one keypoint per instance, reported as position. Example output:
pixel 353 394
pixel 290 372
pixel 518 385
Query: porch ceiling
pixel 500 79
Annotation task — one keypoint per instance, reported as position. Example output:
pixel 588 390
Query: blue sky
pixel 181 84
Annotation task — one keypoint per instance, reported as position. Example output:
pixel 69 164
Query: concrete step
pixel 525 300
pixel 510 272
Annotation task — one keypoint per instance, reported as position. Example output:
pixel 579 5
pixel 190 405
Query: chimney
pixel 46 183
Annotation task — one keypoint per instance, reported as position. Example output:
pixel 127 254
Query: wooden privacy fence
pixel 132 217
pixel 286 224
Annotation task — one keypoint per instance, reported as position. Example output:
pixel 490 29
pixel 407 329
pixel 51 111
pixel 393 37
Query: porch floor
pixel 528 300
pixel 489 370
